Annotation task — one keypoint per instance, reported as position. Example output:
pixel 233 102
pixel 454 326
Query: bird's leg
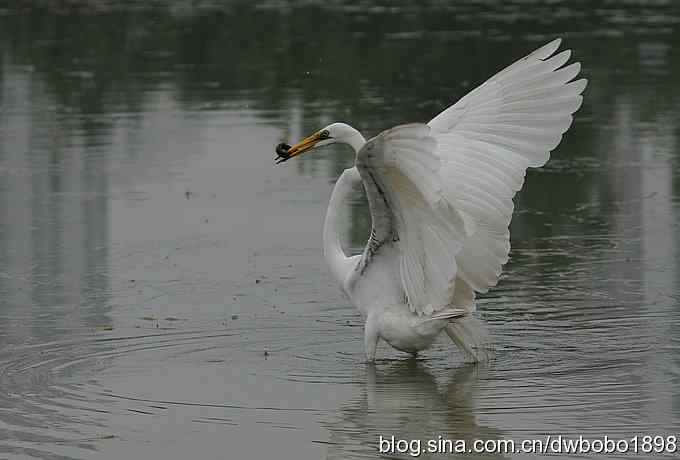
pixel 371 337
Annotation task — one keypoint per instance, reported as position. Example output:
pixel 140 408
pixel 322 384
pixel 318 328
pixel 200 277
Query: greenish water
pixel 151 253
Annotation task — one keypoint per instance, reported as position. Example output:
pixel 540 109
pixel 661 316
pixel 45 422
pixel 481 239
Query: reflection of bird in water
pixel 404 400
pixel 440 196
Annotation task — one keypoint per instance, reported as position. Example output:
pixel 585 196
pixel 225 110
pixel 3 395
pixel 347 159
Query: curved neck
pixel 353 138
pixel 336 258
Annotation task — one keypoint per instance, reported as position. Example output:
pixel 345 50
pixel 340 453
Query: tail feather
pixel 472 337
pixel 448 313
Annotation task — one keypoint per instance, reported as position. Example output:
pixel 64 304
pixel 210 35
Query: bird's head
pixel 331 134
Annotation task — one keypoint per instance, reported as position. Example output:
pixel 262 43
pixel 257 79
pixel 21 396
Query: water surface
pixel 162 287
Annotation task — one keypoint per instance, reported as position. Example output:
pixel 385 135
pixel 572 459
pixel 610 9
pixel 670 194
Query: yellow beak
pixel 305 144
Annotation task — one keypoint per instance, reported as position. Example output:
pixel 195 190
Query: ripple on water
pixel 79 387
pixel 583 373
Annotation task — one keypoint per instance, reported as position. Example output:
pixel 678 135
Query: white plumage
pixel 440 196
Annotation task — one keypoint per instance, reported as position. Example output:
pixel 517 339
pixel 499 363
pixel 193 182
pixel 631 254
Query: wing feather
pixel 490 137
pixel 448 186
pixel 402 166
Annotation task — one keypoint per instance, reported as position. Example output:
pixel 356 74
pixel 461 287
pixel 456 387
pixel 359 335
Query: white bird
pixel 440 197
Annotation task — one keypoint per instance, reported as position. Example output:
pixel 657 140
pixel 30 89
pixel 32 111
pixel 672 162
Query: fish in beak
pixel 285 152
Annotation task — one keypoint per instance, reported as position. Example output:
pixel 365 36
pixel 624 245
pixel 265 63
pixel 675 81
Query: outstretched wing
pixel 442 192
pixel 400 171
pixel 489 138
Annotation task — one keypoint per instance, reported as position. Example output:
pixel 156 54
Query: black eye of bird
pixel 325 134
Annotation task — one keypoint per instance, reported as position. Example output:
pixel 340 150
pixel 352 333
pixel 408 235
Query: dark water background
pixel 150 252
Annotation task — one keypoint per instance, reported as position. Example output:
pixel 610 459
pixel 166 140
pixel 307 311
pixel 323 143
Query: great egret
pixel 440 197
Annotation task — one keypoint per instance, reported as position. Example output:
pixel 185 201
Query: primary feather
pixel 450 184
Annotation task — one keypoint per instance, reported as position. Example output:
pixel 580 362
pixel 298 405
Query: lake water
pixel 163 293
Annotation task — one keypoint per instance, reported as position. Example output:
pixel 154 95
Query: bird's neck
pixel 353 138
pixel 336 258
